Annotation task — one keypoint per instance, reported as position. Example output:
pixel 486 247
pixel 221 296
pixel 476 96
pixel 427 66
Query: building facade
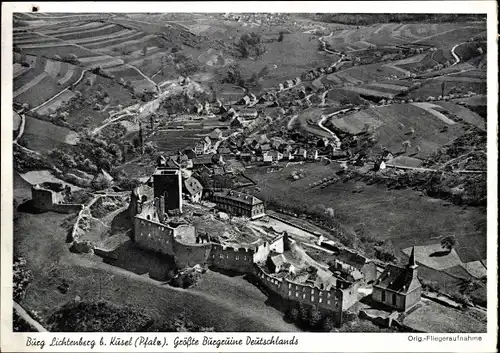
pixel 239 204
pixel 399 287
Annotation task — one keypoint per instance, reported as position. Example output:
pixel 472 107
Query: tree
pixel 406 144
pixel 417 149
pixel 144 50
pixel 315 318
pixel 281 36
pixel 448 242
pixel 100 182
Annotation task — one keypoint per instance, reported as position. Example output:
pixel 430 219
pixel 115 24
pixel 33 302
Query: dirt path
pixel 26 317
pixel 21 128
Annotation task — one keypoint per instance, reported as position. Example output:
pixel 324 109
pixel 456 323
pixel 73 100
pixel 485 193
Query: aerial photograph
pixel 249 172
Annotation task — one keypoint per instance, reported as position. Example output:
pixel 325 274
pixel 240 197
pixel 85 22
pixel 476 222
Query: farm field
pixel 392 124
pixel 401 216
pixel 43 136
pixel 44 80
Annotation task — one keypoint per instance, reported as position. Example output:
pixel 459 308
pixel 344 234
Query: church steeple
pixel 411 262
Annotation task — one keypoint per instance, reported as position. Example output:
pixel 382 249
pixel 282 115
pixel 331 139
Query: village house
pixel 266 159
pixel 202 146
pixel 312 155
pixel 287 155
pixel 265 148
pixel 224 151
pixel 193 189
pixel 237 123
pixel 322 142
pixel 246 156
pixel 216 134
pixel 288 83
pixel 302 94
pixel 281 87
pixel 239 204
pixel 248 113
pixel 399 287
pixel 275 155
pixel 207 160
pixel 300 154
pixel 229 114
pixel 244 101
pixel 297 80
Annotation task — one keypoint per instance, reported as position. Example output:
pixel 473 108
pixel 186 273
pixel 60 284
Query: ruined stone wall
pixel 228 258
pixel 154 236
pixel 329 301
pixel 188 255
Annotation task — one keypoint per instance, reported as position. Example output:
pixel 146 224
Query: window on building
pixel 393 298
pixel 383 296
pixel 320 300
pixel 328 302
pixel 289 292
pixel 221 256
pixel 328 295
pixel 312 291
pixel 237 257
pixel 296 294
pixel 303 296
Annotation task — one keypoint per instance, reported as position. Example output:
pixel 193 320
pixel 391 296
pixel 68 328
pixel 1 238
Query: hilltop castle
pixel 152 209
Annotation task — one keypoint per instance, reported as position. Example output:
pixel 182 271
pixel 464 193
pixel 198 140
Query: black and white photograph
pixel 258 172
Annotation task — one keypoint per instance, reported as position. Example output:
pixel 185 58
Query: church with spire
pixel 398 287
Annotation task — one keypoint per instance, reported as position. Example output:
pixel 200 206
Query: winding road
pixel 457 58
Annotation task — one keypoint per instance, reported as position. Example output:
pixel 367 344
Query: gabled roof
pixel 240 197
pixel 351 258
pixel 398 279
pixel 193 186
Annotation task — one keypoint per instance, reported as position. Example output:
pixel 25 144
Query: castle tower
pixel 167 184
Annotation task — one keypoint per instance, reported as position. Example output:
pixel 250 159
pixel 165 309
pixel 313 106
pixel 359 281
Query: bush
pixel 22 277
pixel 385 252
pixel 99 316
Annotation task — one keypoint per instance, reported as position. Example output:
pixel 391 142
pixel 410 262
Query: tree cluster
pixel 250 45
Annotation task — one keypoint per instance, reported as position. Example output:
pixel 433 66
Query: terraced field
pixel 43 80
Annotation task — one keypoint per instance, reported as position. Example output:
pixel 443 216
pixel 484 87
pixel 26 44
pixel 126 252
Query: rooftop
pixel 238 196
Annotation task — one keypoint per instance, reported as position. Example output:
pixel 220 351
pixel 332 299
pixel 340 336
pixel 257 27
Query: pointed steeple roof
pixel 411 262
